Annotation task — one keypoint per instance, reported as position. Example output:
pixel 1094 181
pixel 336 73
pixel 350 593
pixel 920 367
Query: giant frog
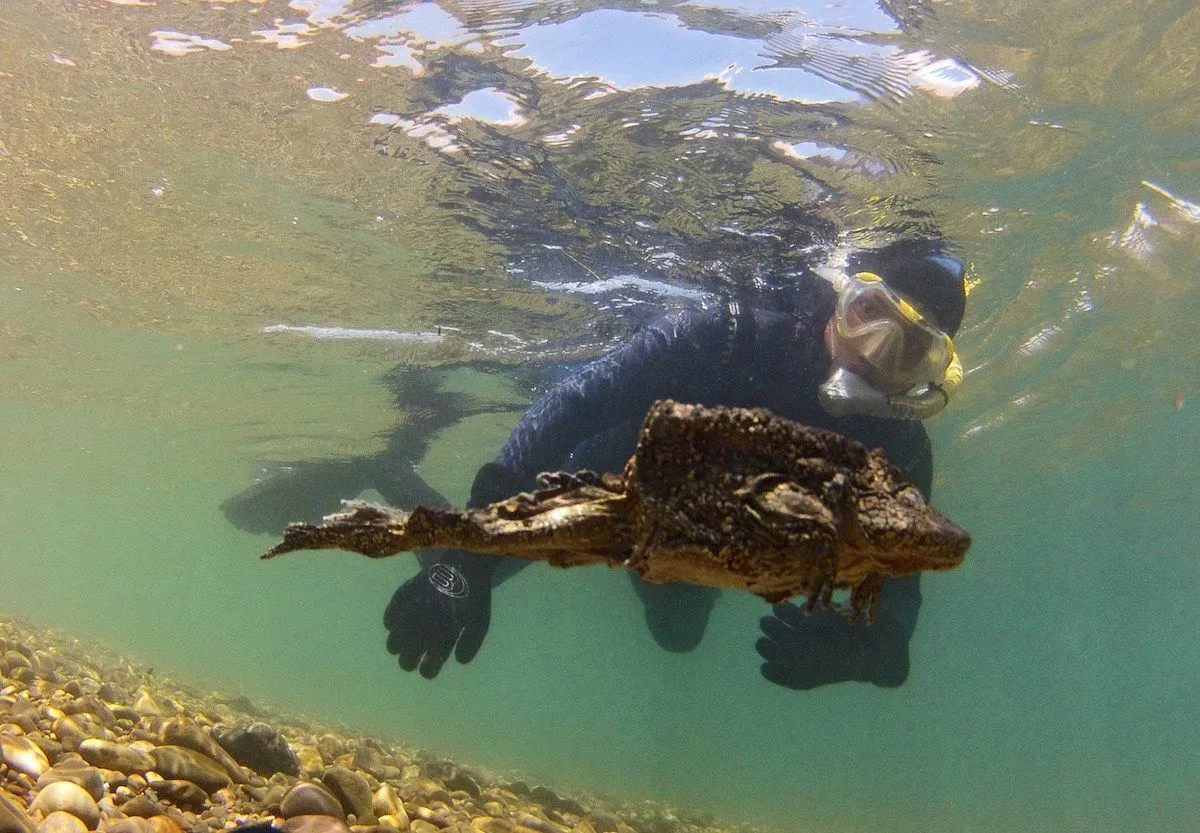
pixel 721 497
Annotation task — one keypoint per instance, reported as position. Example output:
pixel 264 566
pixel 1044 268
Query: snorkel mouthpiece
pixel 846 393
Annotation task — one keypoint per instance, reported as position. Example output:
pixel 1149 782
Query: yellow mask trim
pixel 954 373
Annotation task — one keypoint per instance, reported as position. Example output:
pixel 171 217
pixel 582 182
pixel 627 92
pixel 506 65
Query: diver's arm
pixel 673 357
pixel 667 358
pixel 492 483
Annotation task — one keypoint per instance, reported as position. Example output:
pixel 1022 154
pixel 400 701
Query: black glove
pixel 804 652
pixel 447 604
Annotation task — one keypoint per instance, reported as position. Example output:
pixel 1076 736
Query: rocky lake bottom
pixel 95 741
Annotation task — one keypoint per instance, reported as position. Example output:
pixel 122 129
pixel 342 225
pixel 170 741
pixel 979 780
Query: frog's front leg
pixel 864 599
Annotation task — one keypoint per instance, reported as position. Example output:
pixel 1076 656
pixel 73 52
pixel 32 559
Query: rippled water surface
pixel 227 229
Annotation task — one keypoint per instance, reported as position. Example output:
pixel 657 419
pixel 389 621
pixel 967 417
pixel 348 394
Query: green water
pixel 1055 679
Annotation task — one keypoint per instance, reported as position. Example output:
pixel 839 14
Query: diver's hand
pixel 804 652
pixel 448 605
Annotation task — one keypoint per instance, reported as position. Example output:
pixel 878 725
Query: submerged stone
pixel 76 771
pixel 118 756
pixel 190 765
pixel 309 799
pixel 13 818
pixel 183 732
pixel 23 755
pixel 69 798
pixel 260 747
pixel 62 822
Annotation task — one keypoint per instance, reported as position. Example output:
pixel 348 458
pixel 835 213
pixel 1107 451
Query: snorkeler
pixel 863 349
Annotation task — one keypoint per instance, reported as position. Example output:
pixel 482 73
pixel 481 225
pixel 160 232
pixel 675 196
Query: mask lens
pixel 890 336
pixel 866 308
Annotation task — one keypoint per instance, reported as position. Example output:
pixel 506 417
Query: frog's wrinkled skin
pixel 721 497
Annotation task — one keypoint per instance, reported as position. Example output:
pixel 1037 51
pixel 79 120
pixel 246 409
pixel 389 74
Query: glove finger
pixel 400 606
pixel 405 624
pixel 789 613
pixel 406 636
pixel 775 629
pixel 798 679
pixel 407 647
pixel 776 652
pixel 473 634
pixel 438 648
pixel 398 637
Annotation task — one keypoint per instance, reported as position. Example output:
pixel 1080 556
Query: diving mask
pixel 898 346
pixel 900 365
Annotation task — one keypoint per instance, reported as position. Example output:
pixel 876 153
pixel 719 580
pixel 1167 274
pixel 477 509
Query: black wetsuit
pixel 724 355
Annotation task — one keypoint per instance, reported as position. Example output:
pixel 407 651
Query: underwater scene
pixel 260 257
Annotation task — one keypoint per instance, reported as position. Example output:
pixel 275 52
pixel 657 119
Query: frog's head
pixel 901 531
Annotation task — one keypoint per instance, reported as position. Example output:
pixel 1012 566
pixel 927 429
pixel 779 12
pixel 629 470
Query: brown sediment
pixel 91 740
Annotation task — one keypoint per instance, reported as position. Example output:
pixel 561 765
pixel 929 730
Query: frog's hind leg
pixel 819 587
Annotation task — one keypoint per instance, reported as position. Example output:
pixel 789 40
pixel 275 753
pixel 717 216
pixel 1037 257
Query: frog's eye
pixel 911 496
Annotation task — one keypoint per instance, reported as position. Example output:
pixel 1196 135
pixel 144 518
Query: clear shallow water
pixel 161 210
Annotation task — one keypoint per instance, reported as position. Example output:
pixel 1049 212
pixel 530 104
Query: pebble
pixel 164 824
pixel 23 755
pixel 70 798
pixel 259 747
pixel 183 793
pixel 93 705
pixel 50 747
pixel 14 659
pixel 61 822
pixel 145 704
pixel 190 765
pixel 182 732
pixel 69 733
pixel 110 693
pixel 76 771
pixel 311 763
pixel 81 686
pixel 367 759
pixel 124 712
pixel 142 806
pixel 84 725
pixel 315 824
pixel 603 821
pixel 116 756
pixel 131 825
pixel 310 799
pixel 330 747
pixel 20 783
pixel 168 763
pixel 484 824
pixel 460 780
pixel 540 825
pixel 385 802
pixel 423 789
pixel 352 790
pixel 27 722
pixel 13 818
